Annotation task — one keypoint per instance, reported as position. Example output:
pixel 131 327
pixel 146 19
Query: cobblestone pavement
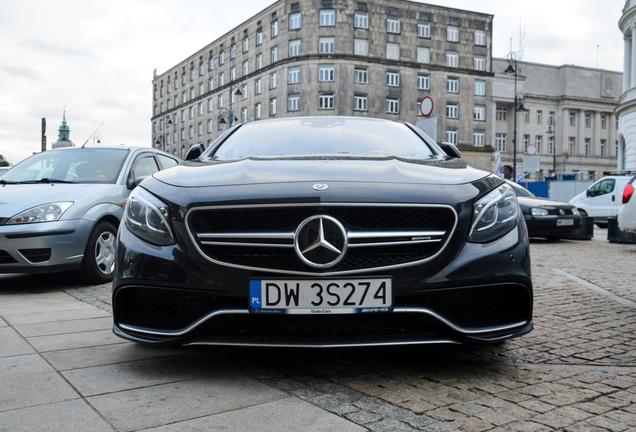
pixel 576 371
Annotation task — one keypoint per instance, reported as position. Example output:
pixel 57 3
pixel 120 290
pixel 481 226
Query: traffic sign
pixel 531 149
pixel 426 107
pixel 519 178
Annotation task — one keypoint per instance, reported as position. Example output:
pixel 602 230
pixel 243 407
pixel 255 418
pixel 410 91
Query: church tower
pixel 63 138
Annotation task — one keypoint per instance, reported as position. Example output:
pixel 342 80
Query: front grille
pixel 555 211
pixel 262 237
pixel 36 255
pixel 5 258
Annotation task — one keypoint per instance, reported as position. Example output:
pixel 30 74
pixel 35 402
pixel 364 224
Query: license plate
pixel 565 222
pixel 321 296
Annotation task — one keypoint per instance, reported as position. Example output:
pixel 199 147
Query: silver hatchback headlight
pixel 50 212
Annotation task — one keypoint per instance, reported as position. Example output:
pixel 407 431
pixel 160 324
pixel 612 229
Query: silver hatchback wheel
pixel 105 253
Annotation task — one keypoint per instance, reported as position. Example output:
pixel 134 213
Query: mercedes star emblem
pixel 320 241
pixel 321 187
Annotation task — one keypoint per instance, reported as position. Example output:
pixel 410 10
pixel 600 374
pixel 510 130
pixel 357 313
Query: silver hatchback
pixel 60 209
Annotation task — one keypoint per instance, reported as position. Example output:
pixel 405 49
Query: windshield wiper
pixel 43 180
pixel 7 182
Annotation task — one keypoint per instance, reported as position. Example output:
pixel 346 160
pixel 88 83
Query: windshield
pixel 520 191
pixel 312 136
pixel 75 166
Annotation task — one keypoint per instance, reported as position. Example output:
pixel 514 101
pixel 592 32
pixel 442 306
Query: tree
pixel 3 161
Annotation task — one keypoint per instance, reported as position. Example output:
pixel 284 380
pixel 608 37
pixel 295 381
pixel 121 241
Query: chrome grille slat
pixel 381 236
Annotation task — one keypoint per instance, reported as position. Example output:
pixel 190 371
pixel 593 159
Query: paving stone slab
pixel 63 327
pixel 144 373
pixel 78 358
pixel 3 323
pixel 69 416
pixel 24 391
pixel 74 340
pixel 15 366
pixel 170 403
pixel 37 316
pixel 285 415
pixel 12 344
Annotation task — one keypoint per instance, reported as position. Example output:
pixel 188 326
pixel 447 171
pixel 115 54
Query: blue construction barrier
pixel 540 189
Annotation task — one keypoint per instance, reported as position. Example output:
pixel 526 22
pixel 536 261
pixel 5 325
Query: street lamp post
pixel 227 115
pixel 552 131
pixel 162 142
pixel 513 68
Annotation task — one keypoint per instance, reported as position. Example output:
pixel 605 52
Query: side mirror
pixel 587 192
pixel 131 184
pixel 194 152
pixel 451 150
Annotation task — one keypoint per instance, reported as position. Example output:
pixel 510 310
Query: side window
pixel 603 187
pixel 167 162
pixel 144 166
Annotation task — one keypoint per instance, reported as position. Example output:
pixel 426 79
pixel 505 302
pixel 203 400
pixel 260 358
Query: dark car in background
pixel 60 209
pixel 322 232
pixel 545 217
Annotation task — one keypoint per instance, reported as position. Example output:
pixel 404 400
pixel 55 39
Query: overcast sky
pixel 97 58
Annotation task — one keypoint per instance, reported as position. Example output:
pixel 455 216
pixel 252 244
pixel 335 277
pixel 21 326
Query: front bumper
pixel 482 293
pixel 546 226
pixel 43 247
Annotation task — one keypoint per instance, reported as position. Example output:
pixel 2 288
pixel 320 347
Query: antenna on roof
pixel 92 135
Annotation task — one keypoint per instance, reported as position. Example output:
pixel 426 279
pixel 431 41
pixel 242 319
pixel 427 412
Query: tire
pixel 98 264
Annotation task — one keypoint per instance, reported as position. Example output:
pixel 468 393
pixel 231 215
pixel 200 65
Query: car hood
pixel 15 198
pixel 541 202
pixel 285 170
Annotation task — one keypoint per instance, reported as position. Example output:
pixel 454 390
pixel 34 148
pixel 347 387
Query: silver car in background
pixel 60 209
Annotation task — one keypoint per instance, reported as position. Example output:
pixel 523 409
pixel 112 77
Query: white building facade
pixel 626 111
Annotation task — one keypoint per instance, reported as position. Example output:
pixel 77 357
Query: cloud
pixel 41 46
pixel 21 72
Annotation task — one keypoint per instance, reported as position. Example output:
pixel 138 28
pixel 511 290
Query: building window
pixel 294 75
pixel 479 113
pixel 551 118
pixel 327 18
pixel 244 92
pixel 603 122
pixel 480 63
pixel 551 145
pixel 232 52
pixel 294 48
pixel 360 75
pixel 452 110
pixel 232 74
pixel 246 45
pixel 538 140
pixel 293 103
pixel 451 136
pixel 182 134
pixel 191 113
pixel 182 115
pixel 393 25
pixel 294 21
pixel 479 138
pixel 246 68
pixel 480 88
pixel 452 59
pixel 327 45
pixel 452 34
pixel 259 61
pixel 325 101
pixel 526 116
pixel 393 51
pixel 424 30
pixel 572 119
pixel 221 59
pixel 220 101
pixel 539 117
pixel 452 85
pixel 211 84
pixel 500 142
pixel 257 86
pixel 361 47
pixel 393 78
pixel 360 103
pixel 257 111
pixel 191 72
pixel 274 54
pixel 526 142
pixel 191 132
pixel 588 120
pixel 423 82
pixel 221 79
pixel 191 93
pixel 361 20
pixel 602 149
pixel 325 73
pixel 571 145
pixel 272 107
pixel 210 105
pixel 423 55
pixel 200 108
pixel 274 32
pixel 273 81
pixel 501 114
pixel 243 115
pixel 480 37
pixel 259 37
pixel 200 129
pixel 393 106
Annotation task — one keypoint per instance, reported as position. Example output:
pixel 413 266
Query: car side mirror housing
pixel 587 192
pixel 131 184
pixel 451 150
pixel 194 152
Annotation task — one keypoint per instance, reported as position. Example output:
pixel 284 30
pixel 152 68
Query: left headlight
pixel 494 215
pixel 148 217
pixel 43 213
pixel 538 211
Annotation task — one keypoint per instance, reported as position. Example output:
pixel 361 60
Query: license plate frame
pixel 339 295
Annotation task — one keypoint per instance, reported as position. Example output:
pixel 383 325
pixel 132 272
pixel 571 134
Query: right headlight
pixel 148 218
pixel 494 215
pixel 538 211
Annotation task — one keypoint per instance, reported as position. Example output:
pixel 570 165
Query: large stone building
pixel 626 111
pixel 578 102
pixel 304 57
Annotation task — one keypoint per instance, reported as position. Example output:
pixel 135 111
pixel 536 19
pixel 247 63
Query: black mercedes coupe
pixel 322 232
